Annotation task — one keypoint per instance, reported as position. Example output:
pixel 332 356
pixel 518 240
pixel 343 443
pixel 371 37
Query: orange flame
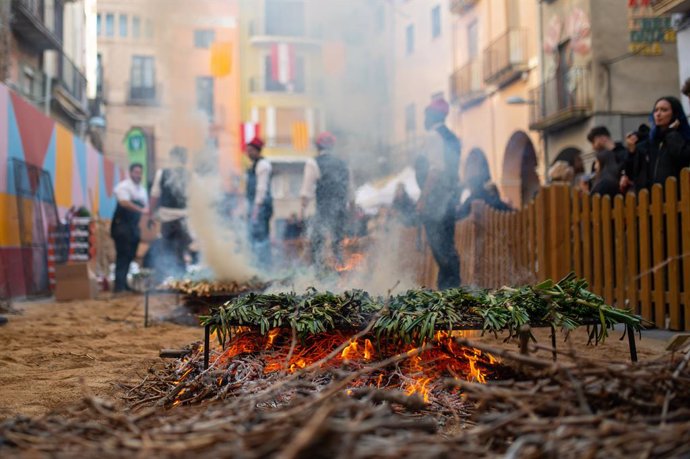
pixel 271 337
pixel 352 262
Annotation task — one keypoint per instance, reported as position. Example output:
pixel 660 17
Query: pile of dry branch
pixel 204 288
pixel 574 408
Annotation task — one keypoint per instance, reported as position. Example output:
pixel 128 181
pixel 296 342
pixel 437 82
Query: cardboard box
pixel 75 281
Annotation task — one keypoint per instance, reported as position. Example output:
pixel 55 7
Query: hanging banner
pixel 283 63
pixel 221 59
pixel 136 145
pixel 648 31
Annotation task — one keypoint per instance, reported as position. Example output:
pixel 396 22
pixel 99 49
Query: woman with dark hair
pixel 666 152
pixel 478 185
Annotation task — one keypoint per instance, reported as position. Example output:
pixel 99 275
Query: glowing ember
pixel 422 372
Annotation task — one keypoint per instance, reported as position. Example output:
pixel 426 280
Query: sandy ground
pixel 50 348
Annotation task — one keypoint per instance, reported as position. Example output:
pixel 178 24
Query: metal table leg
pixel 631 343
pixel 146 308
pixel 207 345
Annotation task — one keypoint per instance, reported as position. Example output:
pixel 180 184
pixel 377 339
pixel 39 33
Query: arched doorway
pixel 520 181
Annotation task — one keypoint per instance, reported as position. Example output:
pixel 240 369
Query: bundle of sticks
pixel 574 408
pixel 209 287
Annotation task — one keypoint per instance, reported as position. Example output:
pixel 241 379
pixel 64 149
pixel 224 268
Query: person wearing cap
pixel 259 203
pixel 326 179
pixel 437 175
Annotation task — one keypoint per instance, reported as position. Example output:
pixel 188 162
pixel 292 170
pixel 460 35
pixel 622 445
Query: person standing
pixel 169 199
pixel 259 203
pixel 437 175
pixel 610 160
pixel 326 179
pixel 667 150
pixel 132 203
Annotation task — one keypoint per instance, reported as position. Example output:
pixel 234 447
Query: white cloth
pixel 312 174
pixel 127 190
pixel 263 176
pixel 165 214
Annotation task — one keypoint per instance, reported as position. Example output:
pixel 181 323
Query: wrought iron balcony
pixel 506 58
pixel 28 22
pixel 73 83
pixel 466 83
pixel 461 6
pixel 143 95
pixel 561 101
pixel 258 85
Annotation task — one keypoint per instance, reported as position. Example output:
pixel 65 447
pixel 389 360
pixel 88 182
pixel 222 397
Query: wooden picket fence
pixel 634 250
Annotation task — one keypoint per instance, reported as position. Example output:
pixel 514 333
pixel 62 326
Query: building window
pixel 285 18
pixel 203 38
pixel 473 40
pixel 296 85
pixel 410 119
pixel 204 95
pixel 409 39
pixel 436 22
pixel 99 24
pixel 110 25
pixel 142 85
pixel 124 24
pixel 149 28
pixel 136 27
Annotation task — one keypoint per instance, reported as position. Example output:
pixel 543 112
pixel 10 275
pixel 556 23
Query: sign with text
pixel 648 31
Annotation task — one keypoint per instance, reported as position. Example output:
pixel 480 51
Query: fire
pixel 422 372
pixel 353 261
pixel 271 337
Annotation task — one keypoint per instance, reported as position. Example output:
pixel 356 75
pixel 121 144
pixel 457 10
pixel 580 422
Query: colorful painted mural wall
pixel 80 177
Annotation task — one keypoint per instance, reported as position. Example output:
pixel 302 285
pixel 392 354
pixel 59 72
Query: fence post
pixel 619 243
pixel 576 199
pixel 587 238
pixel 685 230
pixel 607 248
pixel 644 247
pixel 542 224
pixel 672 252
pixel 560 241
pixel 659 270
pixel 598 268
pixel 632 252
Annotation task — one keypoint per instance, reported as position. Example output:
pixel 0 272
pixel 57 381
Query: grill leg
pixel 207 343
pixel 553 342
pixel 631 343
pixel 146 308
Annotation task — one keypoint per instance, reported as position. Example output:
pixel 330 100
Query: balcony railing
pixel 461 6
pixel 73 81
pixel 561 101
pixel 28 22
pixel 143 95
pixel 466 83
pixel 506 57
pixel 258 84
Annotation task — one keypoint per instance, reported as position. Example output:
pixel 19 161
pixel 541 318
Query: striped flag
pixel 300 136
pixel 248 132
pixel 283 62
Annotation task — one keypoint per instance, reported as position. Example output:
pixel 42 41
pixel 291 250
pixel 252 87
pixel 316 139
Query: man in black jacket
pixel 169 198
pixel 326 179
pixel 437 175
